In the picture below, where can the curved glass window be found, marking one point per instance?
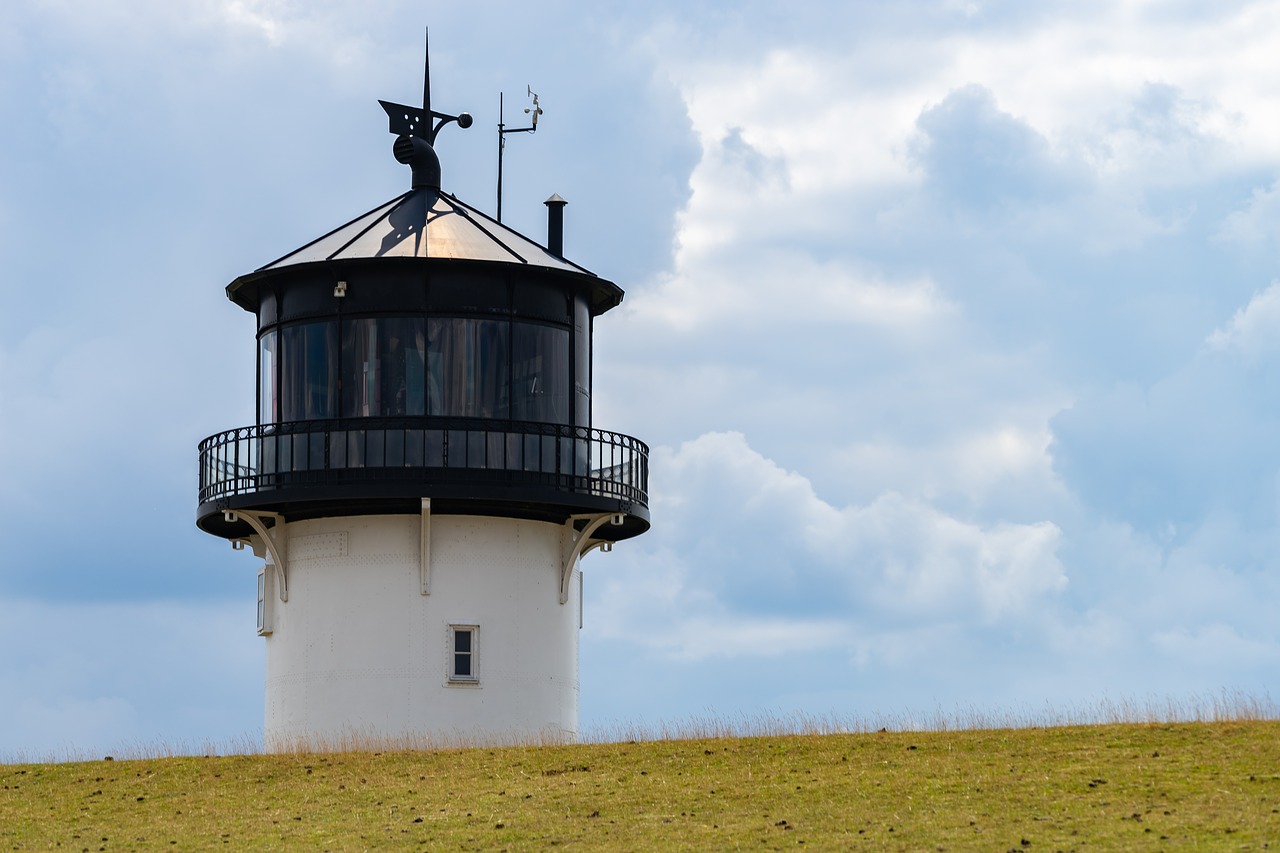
(383, 367)
(267, 412)
(309, 371)
(467, 368)
(539, 373)
(582, 362)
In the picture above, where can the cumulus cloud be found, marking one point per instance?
(747, 552)
(264, 17)
(974, 457)
(1162, 136)
(976, 154)
(777, 290)
(1255, 328)
(1258, 223)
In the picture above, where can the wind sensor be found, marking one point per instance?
(533, 112)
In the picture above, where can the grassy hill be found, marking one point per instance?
(1208, 785)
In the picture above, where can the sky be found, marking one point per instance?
(953, 327)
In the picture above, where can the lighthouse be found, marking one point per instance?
(424, 477)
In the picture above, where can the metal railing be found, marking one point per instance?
(566, 458)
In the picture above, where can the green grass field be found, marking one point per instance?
(1182, 786)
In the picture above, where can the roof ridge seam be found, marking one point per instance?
(533, 242)
(395, 202)
(463, 209)
(394, 206)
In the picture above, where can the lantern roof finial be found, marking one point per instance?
(416, 129)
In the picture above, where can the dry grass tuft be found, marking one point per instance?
(1228, 705)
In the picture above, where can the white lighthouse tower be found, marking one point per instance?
(424, 476)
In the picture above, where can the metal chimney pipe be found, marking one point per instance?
(555, 225)
(418, 153)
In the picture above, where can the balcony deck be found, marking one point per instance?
(360, 466)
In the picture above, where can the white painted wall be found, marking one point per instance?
(357, 652)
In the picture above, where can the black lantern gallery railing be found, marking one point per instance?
(576, 460)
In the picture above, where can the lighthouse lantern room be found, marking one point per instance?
(424, 475)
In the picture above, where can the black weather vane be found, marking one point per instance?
(415, 133)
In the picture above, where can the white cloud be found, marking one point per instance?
(264, 16)
(772, 291)
(734, 530)
(1078, 68)
(791, 108)
(1258, 223)
(1213, 643)
(998, 470)
(1104, 137)
(1255, 328)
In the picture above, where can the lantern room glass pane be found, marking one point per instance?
(268, 411)
(582, 362)
(383, 367)
(309, 371)
(540, 373)
(468, 368)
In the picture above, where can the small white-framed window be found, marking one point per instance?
(265, 589)
(463, 653)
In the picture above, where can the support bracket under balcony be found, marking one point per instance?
(575, 544)
(278, 549)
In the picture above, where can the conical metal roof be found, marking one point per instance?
(425, 223)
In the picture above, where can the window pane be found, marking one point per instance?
(395, 448)
(268, 413)
(440, 341)
(476, 446)
(582, 361)
(267, 454)
(355, 448)
(467, 368)
(308, 369)
(540, 373)
(262, 599)
(492, 383)
(375, 448)
(434, 448)
(401, 366)
(463, 652)
(359, 337)
(414, 457)
(322, 370)
(383, 367)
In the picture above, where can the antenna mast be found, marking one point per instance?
(533, 113)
